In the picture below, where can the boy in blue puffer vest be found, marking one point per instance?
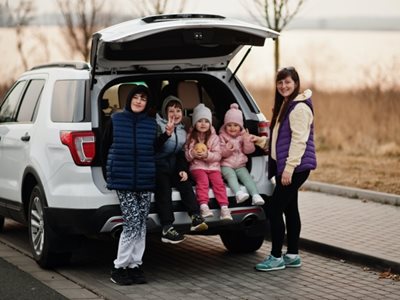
(172, 171)
(128, 147)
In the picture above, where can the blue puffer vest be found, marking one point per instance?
(166, 157)
(308, 160)
(131, 157)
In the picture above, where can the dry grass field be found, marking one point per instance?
(357, 137)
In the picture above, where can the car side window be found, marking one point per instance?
(68, 101)
(9, 107)
(29, 102)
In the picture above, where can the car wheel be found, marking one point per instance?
(42, 240)
(1, 223)
(240, 242)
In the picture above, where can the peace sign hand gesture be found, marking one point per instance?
(169, 128)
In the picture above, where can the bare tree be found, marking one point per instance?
(82, 19)
(277, 14)
(4, 13)
(156, 7)
(20, 17)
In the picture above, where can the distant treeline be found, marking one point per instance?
(345, 23)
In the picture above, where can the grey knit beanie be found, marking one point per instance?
(201, 112)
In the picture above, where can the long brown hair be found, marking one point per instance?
(194, 135)
(281, 75)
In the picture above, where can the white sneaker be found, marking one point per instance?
(241, 197)
(226, 214)
(257, 200)
(205, 211)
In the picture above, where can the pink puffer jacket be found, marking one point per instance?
(213, 160)
(242, 145)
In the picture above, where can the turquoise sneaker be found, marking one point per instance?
(294, 262)
(271, 263)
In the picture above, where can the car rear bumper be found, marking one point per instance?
(79, 221)
(107, 220)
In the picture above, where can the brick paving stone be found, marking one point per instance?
(366, 227)
(201, 268)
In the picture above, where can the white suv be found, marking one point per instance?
(52, 119)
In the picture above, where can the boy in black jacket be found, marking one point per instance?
(172, 171)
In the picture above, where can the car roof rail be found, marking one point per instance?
(78, 65)
(172, 17)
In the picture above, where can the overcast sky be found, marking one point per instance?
(311, 8)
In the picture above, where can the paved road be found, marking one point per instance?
(200, 268)
(15, 284)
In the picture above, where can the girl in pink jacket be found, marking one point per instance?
(203, 153)
(236, 143)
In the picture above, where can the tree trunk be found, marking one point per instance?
(277, 53)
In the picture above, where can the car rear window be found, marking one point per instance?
(68, 103)
(28, 107)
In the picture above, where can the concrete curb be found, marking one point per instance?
(351, 256)
(354, 193)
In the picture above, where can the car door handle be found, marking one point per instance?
(25, 138)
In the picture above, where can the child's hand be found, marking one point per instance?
(203, 155)
(169, 128)
(248, 137)
(229, 146)
(183, 175)
(200, 155)
(195, 154)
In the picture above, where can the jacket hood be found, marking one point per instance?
(165, 104)
(136, 90)
(304, 95)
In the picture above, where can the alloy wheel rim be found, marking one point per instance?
(37, 226)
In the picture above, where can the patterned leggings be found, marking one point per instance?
(135, 209)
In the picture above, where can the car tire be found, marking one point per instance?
(240, 242)
(41, 238)
(2, 220)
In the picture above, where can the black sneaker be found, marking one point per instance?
(198, 223)
(136, 275)
(120, 276)
(172, 236)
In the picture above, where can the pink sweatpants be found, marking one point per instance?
(203, 179)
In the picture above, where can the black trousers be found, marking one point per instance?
(284, 201)
(163, 196)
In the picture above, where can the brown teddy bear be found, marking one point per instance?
(200, 148)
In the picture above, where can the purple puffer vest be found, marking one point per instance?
(308, 160)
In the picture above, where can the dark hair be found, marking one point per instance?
(281, 75)
(173, 103)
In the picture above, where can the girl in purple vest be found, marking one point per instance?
(291, 157)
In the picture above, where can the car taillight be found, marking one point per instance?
(81, 144)
(263, 128)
